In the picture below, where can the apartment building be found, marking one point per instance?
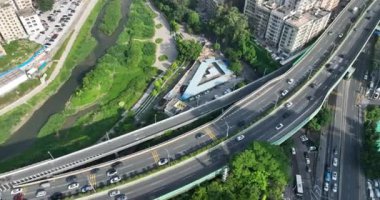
(328, 5)
(23, 4)
(286, 25)
(10, 25)
(30, 21)
(300, 29)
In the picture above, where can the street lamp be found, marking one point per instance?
(228, 128)
(50, 155)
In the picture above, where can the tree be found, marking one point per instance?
(322, 119)
(259, 172)
(193, 20)
(188, 49)
(45, 5)
(174, 26)
(216, 46)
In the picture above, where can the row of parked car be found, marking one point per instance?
(373, 189)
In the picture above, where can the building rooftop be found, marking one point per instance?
(210, 73)
(26, 12)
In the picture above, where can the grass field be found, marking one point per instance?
(82, 47)
(111, 17)
(121, 75)
(18, 51)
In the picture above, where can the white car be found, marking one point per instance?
(304, 138)
(335, 162)
(290, 81)
(115, 179)
(335, 187)
(40, 193)
(73, 186)
(308, 161)
(326, 187)
(369, 185)
(293, 151)
(279, 126)
(240, 138)
(16, 191)
(113, 193)
(335, 176)
(111, 172)
(163, 161)
(376, 183)
(288, 104)
(284, 92)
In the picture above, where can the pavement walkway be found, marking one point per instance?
(167, 46)
(85, 10)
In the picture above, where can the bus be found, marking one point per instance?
(299, 187)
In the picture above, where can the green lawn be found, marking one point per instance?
(111, 17)
(82, 47)
(121, 75)
(17, 52)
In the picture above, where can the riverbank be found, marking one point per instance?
(74, 53)
(114, 85)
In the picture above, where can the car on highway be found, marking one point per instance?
(73, 186)
(290, 81)
(310, 98)
(240, 138)
(117, 164)
(377, 192)
(334, 176)
(279, 126)
(340, 35)
(369, 185)
(288, 104)
(304, 138)
(293, 151)
(308, 169)
(163, 161)
(335, 162)
(40, 193)
(112, 172)
(115, 179)
(199, 135)
(113, 193)
(16, 191)
(45, 184)
(121, 197)
(86, 188)
(307, 161)
(284, 92)
(335, 187)
(326, 187)
(335, 151)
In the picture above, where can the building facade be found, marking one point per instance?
(10, 25)
(30, 21)
(286, 25)
(328, 5)
(23, 4)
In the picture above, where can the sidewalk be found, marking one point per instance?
(86, 10)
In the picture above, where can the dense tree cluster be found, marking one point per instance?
(370, 153)
(260, 172)
(322, 119)
(188, 49)
(44, 5)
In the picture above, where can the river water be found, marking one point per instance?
(25, 137)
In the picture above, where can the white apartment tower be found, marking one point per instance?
(30, 21)
(10, 26)
(23, 4)
(286, 25)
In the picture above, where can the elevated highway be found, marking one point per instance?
(262, 99)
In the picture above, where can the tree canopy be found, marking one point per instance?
(322, 119)
(188, 49)
(45, 5)
(257, 173)
(370, 154)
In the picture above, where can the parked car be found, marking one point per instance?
(73, 186)
(293, 151)
(240, 138)
(40, 193)
(326, 187)
(86, 188)
(111, 172)
(16, 191)
(335, 176)
(279, 126)
(335, 162)
(335, 187)
(284, 92)
(288, 104)
(290, 81)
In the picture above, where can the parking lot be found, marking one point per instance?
(56, 22)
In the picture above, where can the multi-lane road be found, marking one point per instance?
(305, 101)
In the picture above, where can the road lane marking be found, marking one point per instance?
(155, 156)
(210, 133)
